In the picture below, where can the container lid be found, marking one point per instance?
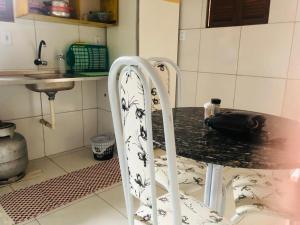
(6, 125)
(7, 129)
(216, 101)
(103, 138)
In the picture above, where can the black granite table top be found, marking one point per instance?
(280, 142)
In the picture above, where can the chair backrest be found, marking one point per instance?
(130, 99)
(166, 68)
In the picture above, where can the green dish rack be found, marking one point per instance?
(83, 57)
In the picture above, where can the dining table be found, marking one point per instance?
(274, 148)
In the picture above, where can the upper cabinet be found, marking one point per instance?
(95, 13)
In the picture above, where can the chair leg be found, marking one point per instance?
(236, 219)
(222, 206)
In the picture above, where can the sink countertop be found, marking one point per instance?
(20, 77)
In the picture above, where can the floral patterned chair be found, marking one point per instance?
(256, 193)
(191, 173)
(130, 100)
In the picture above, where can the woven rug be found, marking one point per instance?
(41, 198)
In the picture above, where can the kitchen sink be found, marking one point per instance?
(51, 86)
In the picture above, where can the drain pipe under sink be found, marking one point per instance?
(52, 125)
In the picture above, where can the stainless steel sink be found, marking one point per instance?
(54, 84)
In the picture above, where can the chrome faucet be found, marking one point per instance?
(39, 60)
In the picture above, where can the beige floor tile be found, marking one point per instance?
(75, 160)
(115, 197)
(159, 152)
(32, 222)
(38, 171)
(91, 211)
(5, 190)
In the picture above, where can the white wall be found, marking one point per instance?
(76, 110)
(158, 29)
(158, 35)
(121, 41)
(250, 67)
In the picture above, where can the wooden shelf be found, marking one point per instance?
(55, 19)
(80, 7)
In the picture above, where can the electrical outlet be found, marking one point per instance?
(5, 38)
(182, 35)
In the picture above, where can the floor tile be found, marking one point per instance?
(38, 171)
(5, 189)
(33, 222)
(4, 218)
(115, 198)
(75, 160)
(91, 211)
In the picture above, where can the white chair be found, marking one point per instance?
(191, 173)
(130, 100)
(255, 193)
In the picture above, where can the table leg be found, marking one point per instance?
(208, 180)
(213, 197)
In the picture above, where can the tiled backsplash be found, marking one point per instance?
(79, 116)
(250, 67)
(79, 112)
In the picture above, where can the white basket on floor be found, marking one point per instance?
(103, 146)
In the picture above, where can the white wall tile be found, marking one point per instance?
(67, 135)
(105, 124)
(188, 89)
(291, 107)
(92, 35)
(294, 68)
(282, 11)
(215, 86)
(190, 14)
(189, 49)
(90, 124)
(65, 101)
(260, 94)
(22, 52)
(58, 38)
(298, 12)
(89, 94)
(265, 50)
(32, 130)
(219, 50)
(204, 13)
(102, 94)
(18, 102)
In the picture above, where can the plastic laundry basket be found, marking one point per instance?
(103, 146)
